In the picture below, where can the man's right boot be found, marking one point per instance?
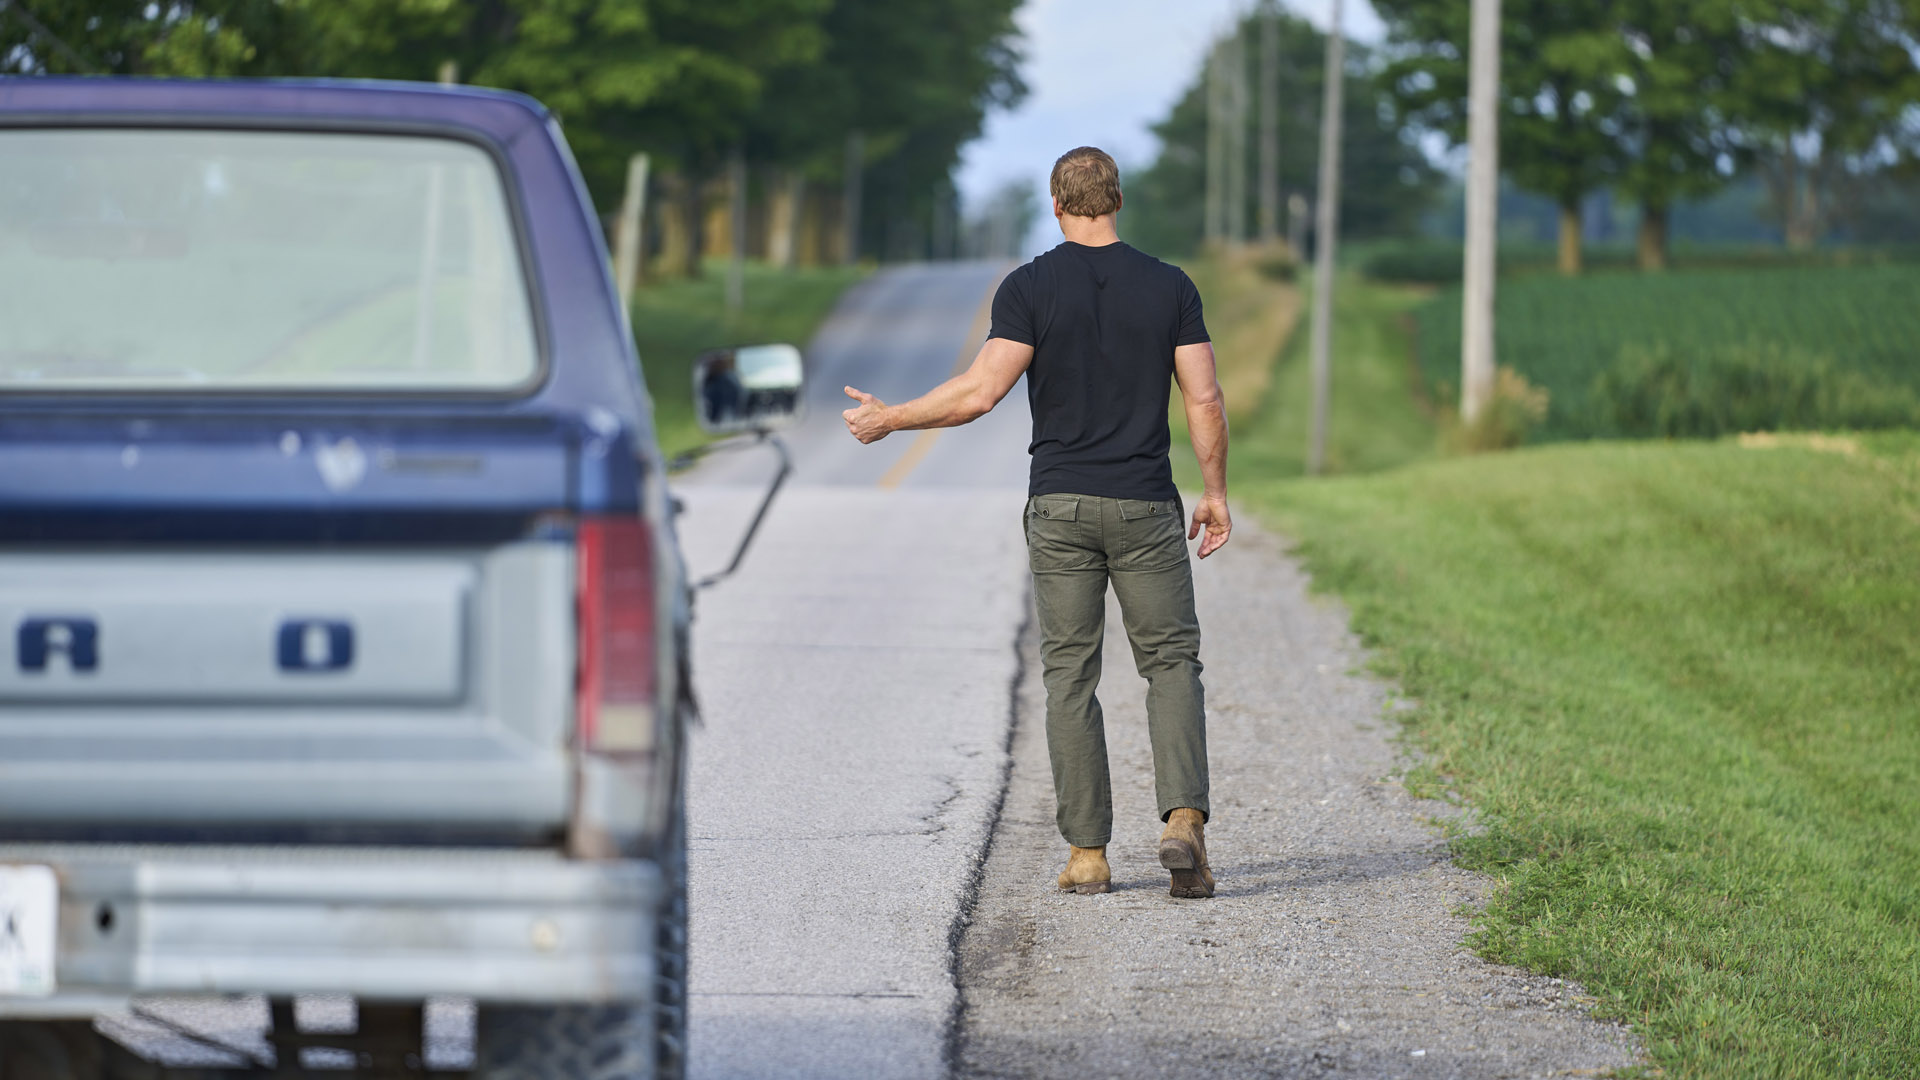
(1087, 871)
(1183, 850)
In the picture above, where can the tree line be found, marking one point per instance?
(875, 97)
(1387, 182)
(1659, 101)
(1665, 100)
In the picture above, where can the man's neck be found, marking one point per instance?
(1090, 231)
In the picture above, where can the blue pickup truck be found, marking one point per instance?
(345, 626)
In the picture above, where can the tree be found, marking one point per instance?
(1827, 89)
(1560, 117)
(1386, 181)
(690, 81)
(917, 78)
(1678, 62)
(681, 75)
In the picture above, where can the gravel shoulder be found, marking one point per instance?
(1335, 943)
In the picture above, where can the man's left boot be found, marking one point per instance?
(1183, 850)
(1087, 871)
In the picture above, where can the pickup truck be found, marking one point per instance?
(344, 626)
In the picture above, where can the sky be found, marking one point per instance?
(1100, 72)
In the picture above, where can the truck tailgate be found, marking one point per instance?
(331, 688)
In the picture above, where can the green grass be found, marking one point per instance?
(1561, 333)
(1376, 422)
(1678, 683)
(674, 321)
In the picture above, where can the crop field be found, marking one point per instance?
(1563, 333)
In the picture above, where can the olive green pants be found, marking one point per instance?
(1076, 544)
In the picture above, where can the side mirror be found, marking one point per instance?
(749, 388)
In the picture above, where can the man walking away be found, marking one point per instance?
(1101, 330)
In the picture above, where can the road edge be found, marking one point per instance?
(953, 1034)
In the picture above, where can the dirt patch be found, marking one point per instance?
(1825, 444)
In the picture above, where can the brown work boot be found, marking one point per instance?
(1087, 871)
(1183, 850)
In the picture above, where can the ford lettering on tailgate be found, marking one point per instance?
(247, 628)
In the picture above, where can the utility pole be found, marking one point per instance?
(1269, 123)
(850, 196)
(1236, 186)
(1483, 209)
(737, 230)
(1216, 149)
(626, 238)
(1326, 233)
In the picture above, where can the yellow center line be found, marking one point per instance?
(923, 440)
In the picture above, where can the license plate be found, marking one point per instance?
(29, 915)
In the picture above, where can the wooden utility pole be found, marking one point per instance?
(626, 235)
(1216, 149)
(1269, 123)
(737, 230)
(1483, 209)
(1326, 232)
(850, 197)
(1236, 186)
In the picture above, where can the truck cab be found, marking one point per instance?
(342, 624)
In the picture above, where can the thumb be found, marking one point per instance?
(860, 396)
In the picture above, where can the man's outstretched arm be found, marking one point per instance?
(962, 399)
(1207, 426)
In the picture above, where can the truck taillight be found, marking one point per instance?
(616, 613)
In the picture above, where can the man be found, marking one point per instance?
(1100, 331)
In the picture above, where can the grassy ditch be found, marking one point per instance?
(674, 321)
(1677, 682)
(1376, 419)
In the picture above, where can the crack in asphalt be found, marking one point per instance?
(955, 1034)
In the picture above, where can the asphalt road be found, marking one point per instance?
(894, 335)
(856, 678)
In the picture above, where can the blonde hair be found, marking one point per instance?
(1086, 182)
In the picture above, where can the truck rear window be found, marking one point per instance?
(173, 259)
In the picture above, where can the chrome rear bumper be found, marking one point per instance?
(388, 923)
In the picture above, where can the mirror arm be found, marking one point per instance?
(779, 478)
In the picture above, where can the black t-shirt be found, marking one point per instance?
(1103, 323)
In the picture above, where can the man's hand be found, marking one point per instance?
(1212, 515)
(866, 421)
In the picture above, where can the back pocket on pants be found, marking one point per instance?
(1154, 539)
(1054, 534)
